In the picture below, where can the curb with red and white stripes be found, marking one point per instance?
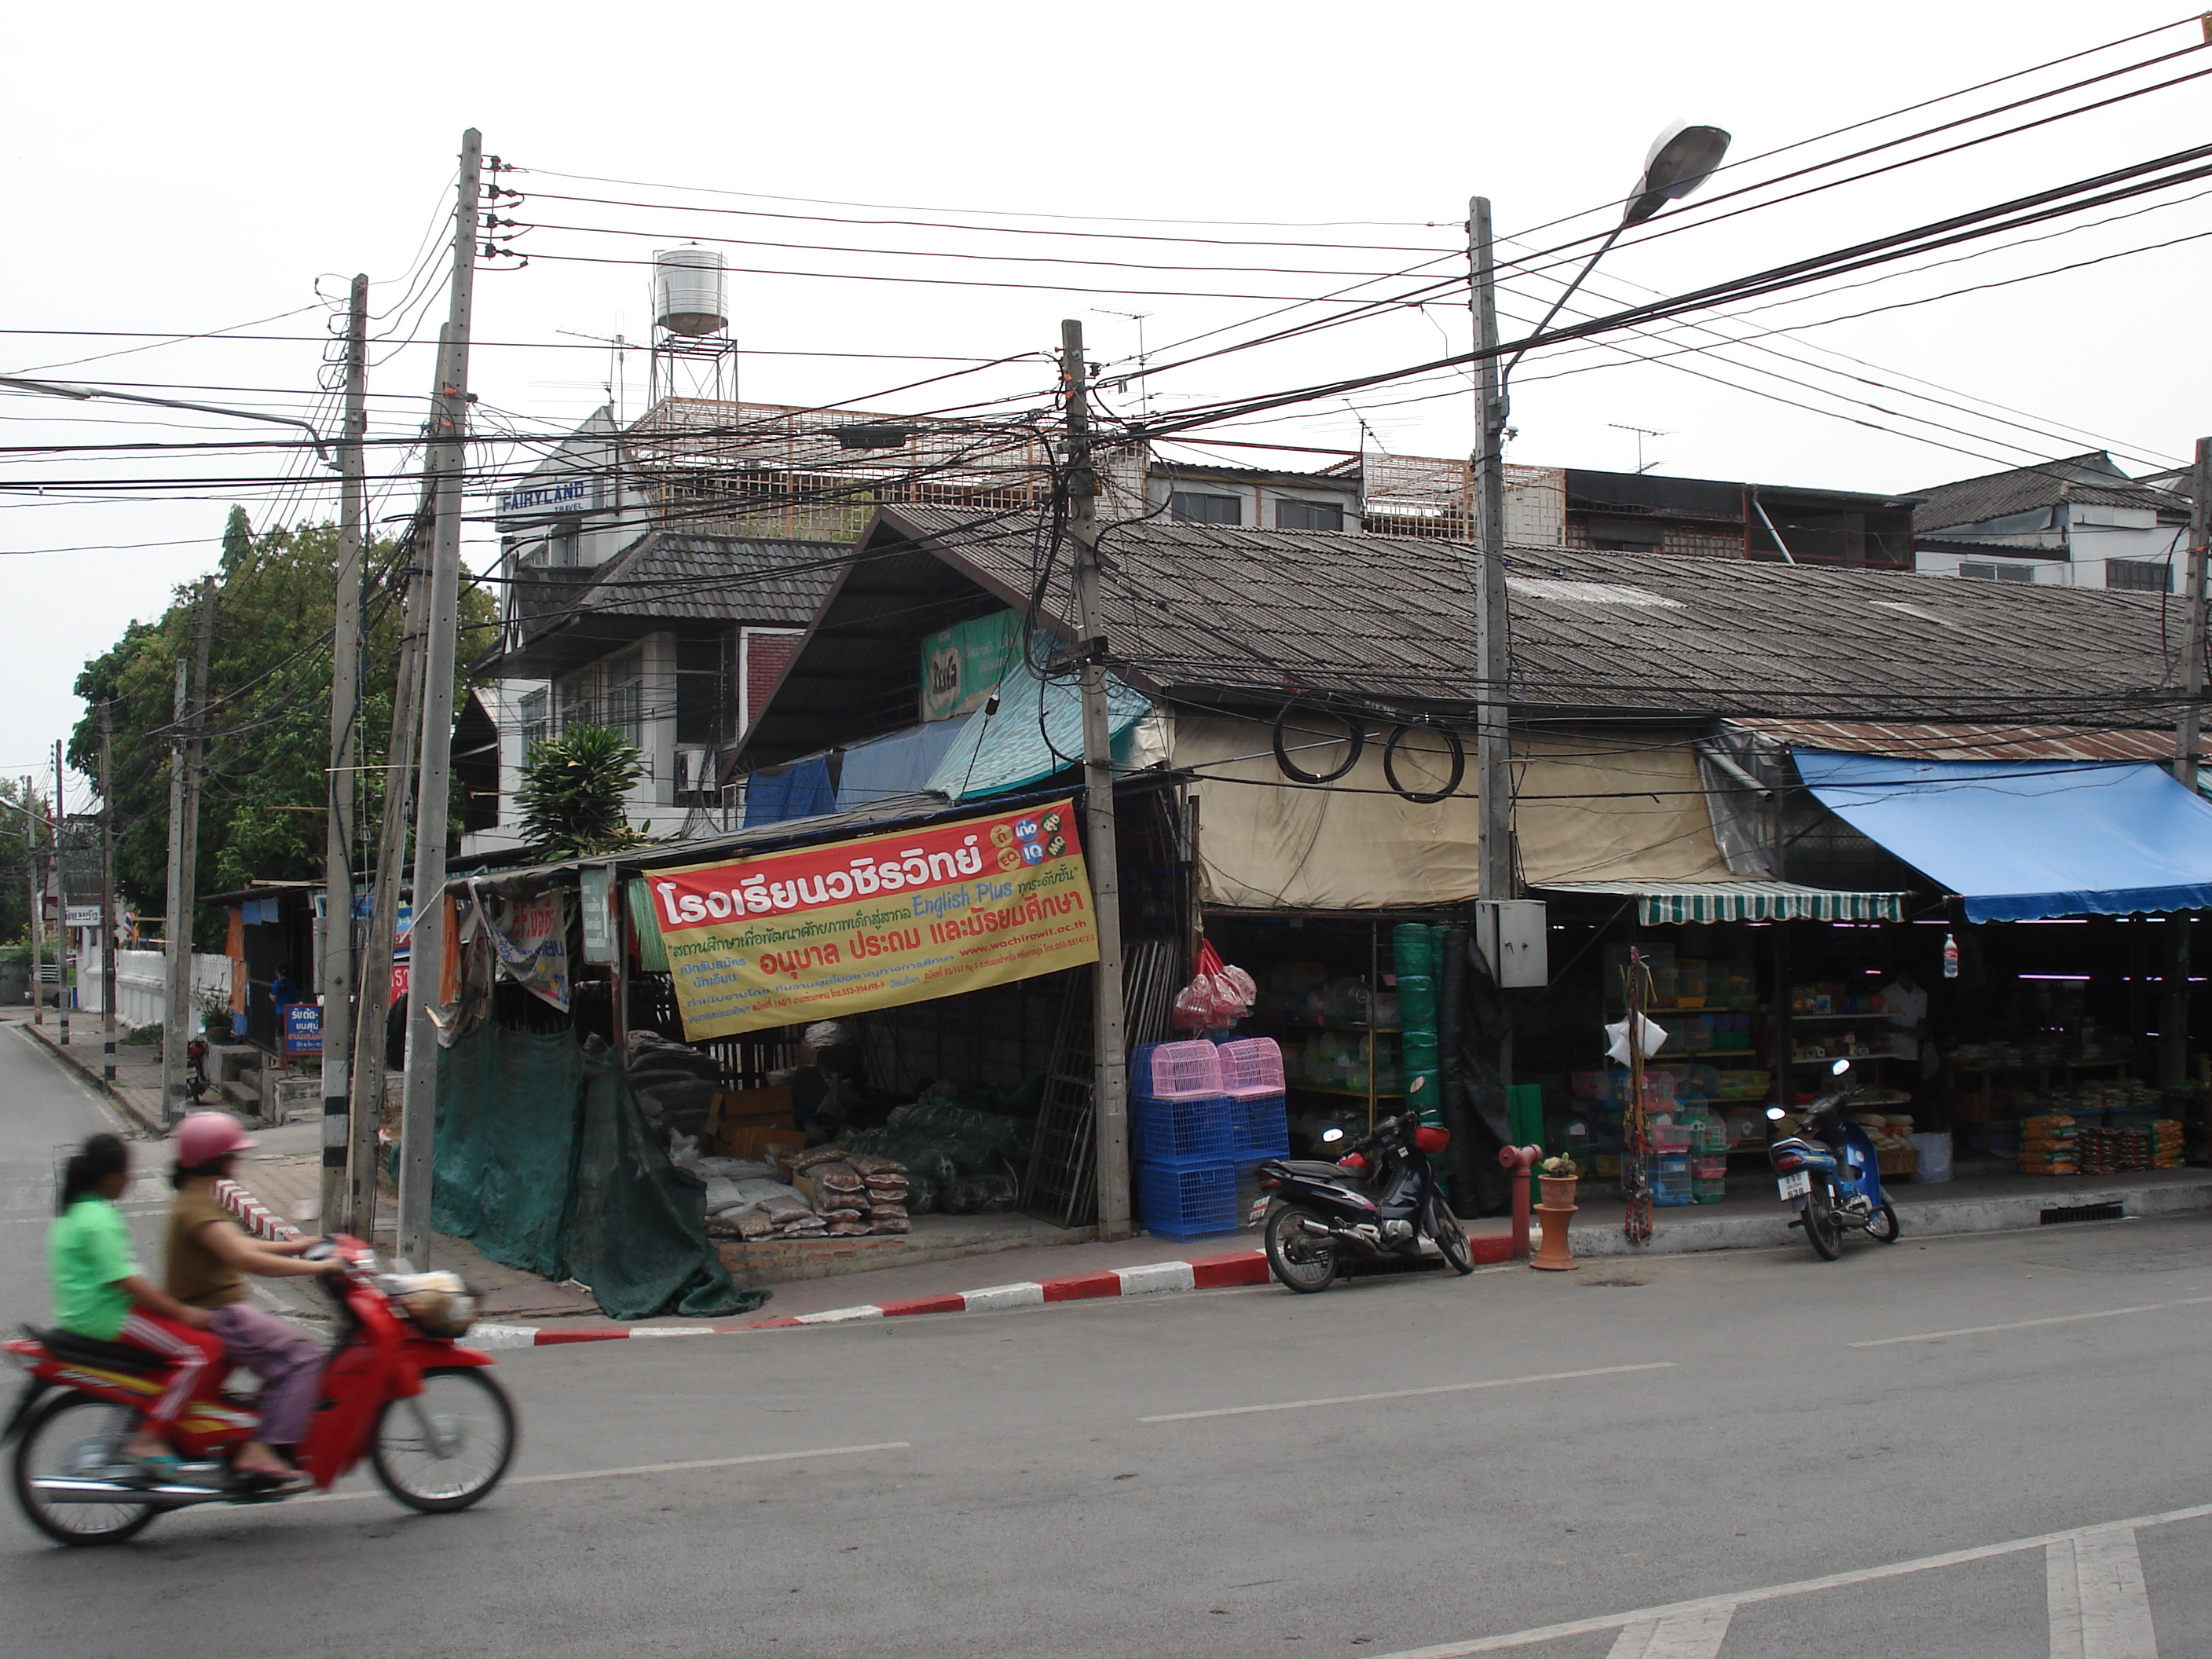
(251, 1213)
(1240, 1268)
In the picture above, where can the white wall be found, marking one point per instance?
(141, 984)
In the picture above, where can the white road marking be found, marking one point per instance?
(650, 1468)
(2100, 1607)
(1685, 1636)
(1408, 1393)
(1522, 1638)
(2025, 1324)
(840, 1316)
(1029, 1294)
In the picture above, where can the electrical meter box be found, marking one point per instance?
(1513, 938)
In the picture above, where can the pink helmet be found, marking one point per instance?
(203, 1137)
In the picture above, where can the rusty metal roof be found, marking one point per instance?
(1977, 743)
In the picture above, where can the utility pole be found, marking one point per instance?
(38, 904)
(1492, 660)
(1109, 1076)
(345, 712)
(186, 748)
(2174, 1005)
(60, 900)
(106, 891)
(418, 1111)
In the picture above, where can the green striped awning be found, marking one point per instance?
(1741, 900)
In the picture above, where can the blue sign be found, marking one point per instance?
(303, 1027)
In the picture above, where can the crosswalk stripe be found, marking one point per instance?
(1696, 1635)
(2100, 1607)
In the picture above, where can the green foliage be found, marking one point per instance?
(264, 805)
(572, 793)
(15, 855)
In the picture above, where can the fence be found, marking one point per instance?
(141, 984)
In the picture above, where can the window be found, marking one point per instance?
(1999, 573)
(1206, 509)
(536, 712)
(2140, 575)
(1307, 515)
(580, 700)
(624, 701)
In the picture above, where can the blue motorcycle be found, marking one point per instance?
(1829, 1173)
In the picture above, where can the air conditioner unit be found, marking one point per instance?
(694, 769)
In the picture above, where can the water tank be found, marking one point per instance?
(687, 285)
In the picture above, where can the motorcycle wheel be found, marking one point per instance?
(74, 1435)
(1821, 1227)
(445, 1447)
(1299, 1259)
(1881, 1225)
(1451, 1238)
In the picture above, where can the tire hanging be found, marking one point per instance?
(1428, 797)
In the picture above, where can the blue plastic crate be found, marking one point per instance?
(1182, 1133)
(1261, 1127)
(1188, 1202)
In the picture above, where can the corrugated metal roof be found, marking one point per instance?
(1204, 607)
(2091, 479)
(1912, 742)
(671, 575)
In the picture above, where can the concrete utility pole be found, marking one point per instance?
(345, 714)
(38, 904)
(2174, 1005)
(106, 891)
(60, 900)
(1493, 660)
(418, 1112)
(1109, 1084)
(186, 748)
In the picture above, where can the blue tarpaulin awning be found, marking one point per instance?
(1036, 732)
(2020, 839)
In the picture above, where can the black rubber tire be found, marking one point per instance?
(1458, 765)
(1451, 1238)
(36, 1430)
(1822, 1230)
(1355, 731)
(1294, 1275)
(396, 1414)
(1881, 1225)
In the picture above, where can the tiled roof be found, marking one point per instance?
(1201, 608)
(2091, 479)
(695, 578)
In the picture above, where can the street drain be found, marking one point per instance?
(1613, 1283)
(2086, 1212)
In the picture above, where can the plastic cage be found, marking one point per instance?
(1261, 1127)
(1183, 1133)
(1251, 1068)
(1175, 1071)
(1186, 1203)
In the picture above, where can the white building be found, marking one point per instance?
(2079, 522)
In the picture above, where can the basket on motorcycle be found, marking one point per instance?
(439, 1304)
(1429, 1139)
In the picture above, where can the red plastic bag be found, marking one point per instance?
(1219, 995)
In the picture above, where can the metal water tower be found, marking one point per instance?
(693, 354)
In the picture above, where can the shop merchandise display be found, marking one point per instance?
(2046, 1145)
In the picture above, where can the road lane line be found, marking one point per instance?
(1684, 1636)
(2100, 1607)
(1524, 1639)
(652, 1469)
(1407, 1394)
(2025, 1324)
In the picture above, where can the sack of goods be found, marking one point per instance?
(2047, 1144)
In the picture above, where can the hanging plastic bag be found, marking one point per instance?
(1219, 995)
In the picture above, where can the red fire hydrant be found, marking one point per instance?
(1518, 1160)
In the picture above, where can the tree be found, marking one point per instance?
(573, 790)
(263, 809)
(19, 813)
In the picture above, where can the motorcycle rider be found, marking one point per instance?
(209, 1255)
(99, 1292)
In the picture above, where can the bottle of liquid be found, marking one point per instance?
(1950, 958)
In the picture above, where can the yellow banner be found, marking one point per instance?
(824, 931)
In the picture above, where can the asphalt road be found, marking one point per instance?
(1090, 1478)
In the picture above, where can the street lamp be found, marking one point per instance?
(57, 389)
(1680, 159)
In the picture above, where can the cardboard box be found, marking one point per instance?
(755, 1105)
(759, 1141)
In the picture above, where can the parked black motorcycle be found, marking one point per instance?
(1379, 1202)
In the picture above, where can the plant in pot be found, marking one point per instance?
(1559, 1176)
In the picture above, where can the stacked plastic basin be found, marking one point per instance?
(1182, 1127)
(1415, 948)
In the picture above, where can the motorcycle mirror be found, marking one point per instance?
(1839, 1068)
(1776, 1113)
(1329, 1137)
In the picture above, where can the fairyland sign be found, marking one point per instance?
(875, 922)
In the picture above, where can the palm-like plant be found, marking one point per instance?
(572, 793)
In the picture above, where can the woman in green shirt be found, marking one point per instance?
(100, 1293)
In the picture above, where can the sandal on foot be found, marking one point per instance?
(154, 1468)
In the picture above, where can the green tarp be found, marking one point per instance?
(543, 1163)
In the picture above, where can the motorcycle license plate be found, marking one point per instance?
(1795, 1186)
(1259, 1212)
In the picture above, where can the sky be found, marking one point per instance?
(195, 175)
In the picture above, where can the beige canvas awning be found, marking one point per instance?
(1592, 808)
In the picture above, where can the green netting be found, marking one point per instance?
(543, 1163)
(1413, 948)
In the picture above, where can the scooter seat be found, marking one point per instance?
(1316, 1170)
(90, 1351)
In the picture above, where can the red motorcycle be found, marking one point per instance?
(398, 1390)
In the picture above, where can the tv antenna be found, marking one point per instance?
(1642, 433)
(1143, 360)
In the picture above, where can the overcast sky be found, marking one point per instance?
(176, 170)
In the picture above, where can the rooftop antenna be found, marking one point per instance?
(1143, 360)
(618, 373)
(1642, 433)
(1367, 434)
